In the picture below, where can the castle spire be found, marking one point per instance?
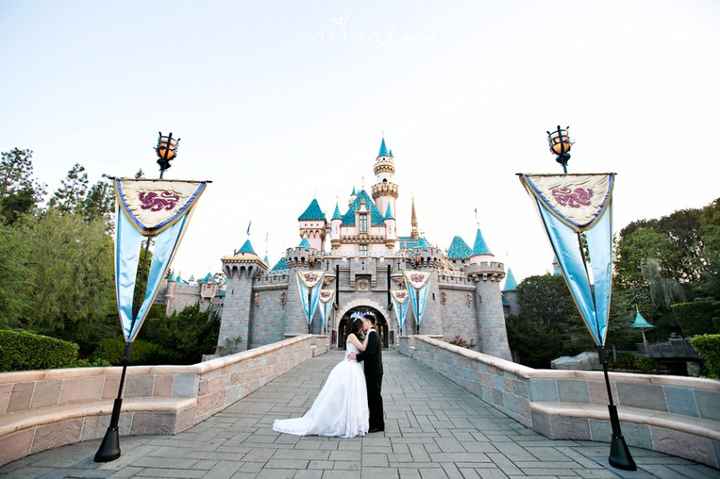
(413, 222)
(383, 148)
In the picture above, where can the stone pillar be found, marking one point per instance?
(237, 310)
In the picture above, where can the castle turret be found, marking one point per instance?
(241, 269)
(313, 225)
(486, 273)
(509, 294)
(384, 191)
(390, 227)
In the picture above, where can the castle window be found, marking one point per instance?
(363, 224)
(363, 250)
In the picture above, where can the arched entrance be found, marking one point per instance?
(345, 324)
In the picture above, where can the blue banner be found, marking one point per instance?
(417, 283)
(573, 207)
(309, 285)
(400, 306)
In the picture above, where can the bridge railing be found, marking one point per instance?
(671, 414)
(45, 409)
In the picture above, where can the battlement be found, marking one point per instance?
(454, 278)
(384, 164)
(385, 189)
(485, 271)
(430, 257)
(302, 257)
(243, 264)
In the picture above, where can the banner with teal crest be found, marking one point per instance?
(148, 211)
(401, 305)
(576, 211)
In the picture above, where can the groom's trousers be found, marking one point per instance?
(375, 403)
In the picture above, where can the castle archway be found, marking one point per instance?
(345, 325)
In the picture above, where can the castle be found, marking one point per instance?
(364, 259)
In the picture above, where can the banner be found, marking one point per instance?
(326, 304)
(309, 285)
(417, 283)
(148, 210)
(576, 211)
(400, 303)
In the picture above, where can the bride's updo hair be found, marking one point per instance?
(356, 327)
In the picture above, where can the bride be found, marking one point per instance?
(341, 408)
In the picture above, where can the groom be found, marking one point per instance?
(372, 359)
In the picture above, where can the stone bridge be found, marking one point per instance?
(451, 414)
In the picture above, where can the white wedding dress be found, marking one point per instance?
(341, 408)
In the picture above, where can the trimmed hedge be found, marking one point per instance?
(708, 347)
(23, 350)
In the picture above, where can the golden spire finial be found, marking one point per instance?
(413, 221)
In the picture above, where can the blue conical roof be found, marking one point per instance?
(383, 149)
(247, 248)
(510, 283)
(390, 152)
(336, 214)
(459, 249)
(640, 322)
(281, 265)
(389, 212)
(207, 278)
(376, 217)
(480, 247)
(312, 212)
(304, 244)
(354, 192)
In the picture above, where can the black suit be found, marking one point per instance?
(372, 363)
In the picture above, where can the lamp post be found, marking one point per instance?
(560, 145)
(166, 150)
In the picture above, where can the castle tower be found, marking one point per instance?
(509, 293)
(390, 227)
(241, 269)
(335, 224)
(384, 191)
(302, 257)
(312, 225)
(487, 273)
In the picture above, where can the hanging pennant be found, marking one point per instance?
(326, 304)
(309, 285)
(577, 210)
(148, 209)
(400, 306)
(417, 283)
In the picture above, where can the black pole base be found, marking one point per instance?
(110, 447)
(620, 456)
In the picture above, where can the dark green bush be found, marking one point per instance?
(141, 353)
(708, 347)
(698, 317)
(23, 350)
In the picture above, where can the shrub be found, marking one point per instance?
(708, 347)
(142, 352)
(698, 317)
(462, 342)
(23, 350)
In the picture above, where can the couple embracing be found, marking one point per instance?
(350, 402)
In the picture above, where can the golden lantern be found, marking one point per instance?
(560, 145)
(166, 150)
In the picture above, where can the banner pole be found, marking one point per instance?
(110, 447)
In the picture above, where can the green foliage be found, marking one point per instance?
(188, 334)
(23, 350)
(632, 362)
(70, 197)
(708, 347)
(14, 301)
(698, 317)
(20, 192)
(141, 353)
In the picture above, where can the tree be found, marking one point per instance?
(99, 202)
(20, 191)
(15, 303)
(71, 196)
(69, 275)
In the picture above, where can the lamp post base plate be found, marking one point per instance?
(110, 446)
(620, 456)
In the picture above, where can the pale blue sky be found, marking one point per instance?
(277, 101)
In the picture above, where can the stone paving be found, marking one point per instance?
(434, 430)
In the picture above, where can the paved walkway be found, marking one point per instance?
(435, 430)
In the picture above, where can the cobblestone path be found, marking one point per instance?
(435, 430)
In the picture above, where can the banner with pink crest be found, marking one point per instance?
(416, 283)
(576, 211)
(148, 212)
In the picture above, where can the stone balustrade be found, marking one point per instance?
(670, 414)
(44, 409)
